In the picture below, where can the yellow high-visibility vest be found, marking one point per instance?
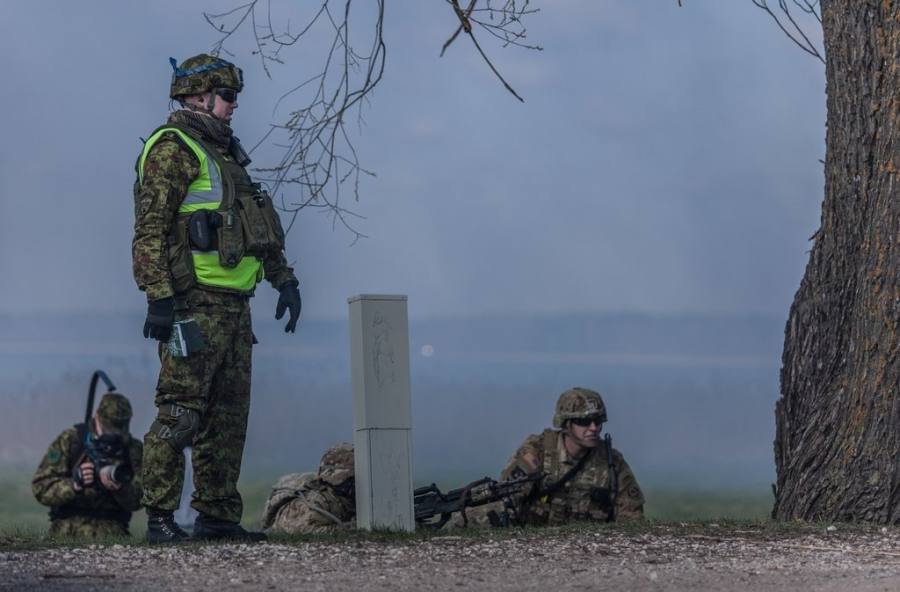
(206, 193)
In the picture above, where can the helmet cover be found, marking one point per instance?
(578, 403)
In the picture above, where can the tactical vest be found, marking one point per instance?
(224, 226)
(583, 497)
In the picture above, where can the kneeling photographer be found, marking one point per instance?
(90, 475)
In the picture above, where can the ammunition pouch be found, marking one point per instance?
(176, 425)
(202, 227)
(259, 221)
(231, 238)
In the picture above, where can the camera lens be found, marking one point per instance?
(117, 473)
(122, 474)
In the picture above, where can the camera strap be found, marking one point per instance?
(76, 452)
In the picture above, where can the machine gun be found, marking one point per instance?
(430, 501)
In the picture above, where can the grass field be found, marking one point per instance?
(20, 514)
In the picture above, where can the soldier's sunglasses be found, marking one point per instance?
(584, 422)
(228, 95)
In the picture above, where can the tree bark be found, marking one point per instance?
(837, 443)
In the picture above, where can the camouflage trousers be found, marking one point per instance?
(82, 527)
(216, 384)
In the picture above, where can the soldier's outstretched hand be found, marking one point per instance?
(289, 298)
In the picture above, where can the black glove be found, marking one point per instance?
(289, 299)
(160, 315)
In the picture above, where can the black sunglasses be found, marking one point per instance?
(584, 422)
(228, 95)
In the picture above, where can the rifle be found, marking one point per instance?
(430, 501)
(613, 479)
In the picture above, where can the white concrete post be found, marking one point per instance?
(379, 361)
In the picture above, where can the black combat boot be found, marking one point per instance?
(207, 528)
(161, 528)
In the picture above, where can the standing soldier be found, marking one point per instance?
(305, 503)
(204, 235)
(584, 478)
(90, 476)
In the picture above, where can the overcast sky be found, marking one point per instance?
(665, 159)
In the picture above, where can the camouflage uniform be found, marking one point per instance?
(214, 384)
(93, 512)
(305, 503)
(585, 494)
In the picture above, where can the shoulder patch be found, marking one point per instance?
(531, 457)
(54, 454)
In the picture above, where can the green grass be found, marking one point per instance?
(18, 509)
(24, 522)
(704, 505)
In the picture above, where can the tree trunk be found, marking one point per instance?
(837, 443)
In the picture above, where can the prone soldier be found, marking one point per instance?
(584, 478)
(305, 503)
(563, 474)
(90, 475)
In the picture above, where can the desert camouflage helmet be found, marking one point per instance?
(202, 73)
(577, 403)
(337, 464)
(114, 412)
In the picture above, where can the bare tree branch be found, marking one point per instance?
(463, 25)
(317, 158)
(791, 27)
(508, 28)
(319, 164)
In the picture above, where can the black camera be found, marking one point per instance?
(109, 455)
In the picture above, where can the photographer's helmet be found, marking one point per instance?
(337, 464)
(203, 73)
(577, 403)
(114, 412)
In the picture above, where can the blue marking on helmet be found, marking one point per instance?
(179, 73)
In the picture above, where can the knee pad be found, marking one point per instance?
(176, 425)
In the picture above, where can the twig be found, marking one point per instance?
(810, 7)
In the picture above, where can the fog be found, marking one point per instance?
(638, 226)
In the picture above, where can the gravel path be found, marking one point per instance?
(589, 559)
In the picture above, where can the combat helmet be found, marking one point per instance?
(337, 464)
(202, 73)
(577, 403)
(114, 412)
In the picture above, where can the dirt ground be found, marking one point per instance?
(657, 557)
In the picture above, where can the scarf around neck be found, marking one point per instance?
(210, 129)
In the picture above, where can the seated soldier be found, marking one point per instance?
(582, 478)
(90, 475)
(304, 503)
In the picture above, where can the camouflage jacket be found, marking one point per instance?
(300, 503)
(585, 496)
(169, 169)
(52, 482)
